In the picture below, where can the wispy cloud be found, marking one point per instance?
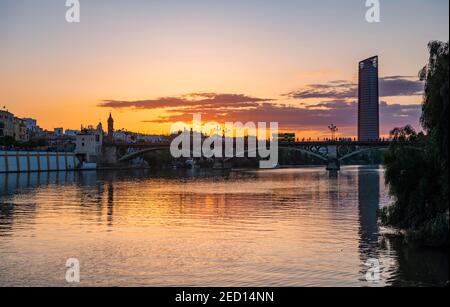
(341, 89)
(302, 117)
(401, 86)
(339, 106)
(203, 101)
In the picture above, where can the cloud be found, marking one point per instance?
(304, 117)
(202, 101)
(341, 89)
(397, 115)
(400, 86)
(299, 116)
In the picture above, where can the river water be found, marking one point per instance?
(288, 227)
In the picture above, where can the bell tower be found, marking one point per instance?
(110, 128)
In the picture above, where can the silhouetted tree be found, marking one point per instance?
(417, 163)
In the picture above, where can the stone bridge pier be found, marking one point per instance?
(110, 155)
(333, 163)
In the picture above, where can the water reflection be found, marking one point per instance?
(194, 228)
(368, 205)
(415, 266)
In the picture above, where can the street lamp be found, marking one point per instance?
(333, 130)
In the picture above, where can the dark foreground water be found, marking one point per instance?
(296, 227)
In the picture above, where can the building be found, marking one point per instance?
(120, 136)
(31, 124)
(13, 127)
(59, 131)
(6, 124)
(89, 143)
(368, 100)
(33, 129)
(123, 136)
(71, 133)
(20, 130)
(142, 138)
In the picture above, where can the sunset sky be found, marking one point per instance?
(153, 62)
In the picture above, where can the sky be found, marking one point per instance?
(155, 62)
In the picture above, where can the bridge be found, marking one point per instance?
(336, 152)
(333, 153)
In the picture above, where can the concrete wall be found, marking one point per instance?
(29, 161)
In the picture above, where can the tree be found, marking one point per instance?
(435, 115)
(417, 164)
(7, 141)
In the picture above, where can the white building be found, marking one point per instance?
(121, 136)
(71, 133)
(149, 138)
(59, 131)
(131, 137)
(31, 124)
(89, 142)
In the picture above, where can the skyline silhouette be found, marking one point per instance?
(154, 62)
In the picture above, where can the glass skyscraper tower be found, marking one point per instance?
(368, 100)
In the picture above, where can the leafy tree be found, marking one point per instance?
(435, 115)
(7, 141)
(158, 159)
(417, 164)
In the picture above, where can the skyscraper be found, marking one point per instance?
(368, 100)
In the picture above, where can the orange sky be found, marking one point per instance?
(59, 73)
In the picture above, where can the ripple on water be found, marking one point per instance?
(252, 228)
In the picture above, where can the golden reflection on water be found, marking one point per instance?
(299, 227)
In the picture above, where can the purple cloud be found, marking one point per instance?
(341, 89)
(298, 117)
(401, 86)
(304, 117)
(193, 100)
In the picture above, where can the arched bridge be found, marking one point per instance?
(114, 153)
(333, 153)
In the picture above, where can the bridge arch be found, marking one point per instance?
(363, 150)
(360, 151)
(302, 150)
(307, 152)
(136, 154)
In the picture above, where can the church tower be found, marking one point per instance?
(110, 128)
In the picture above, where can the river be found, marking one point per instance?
(287, 227)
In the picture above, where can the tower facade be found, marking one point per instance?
(368, 100)
(110, 128)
